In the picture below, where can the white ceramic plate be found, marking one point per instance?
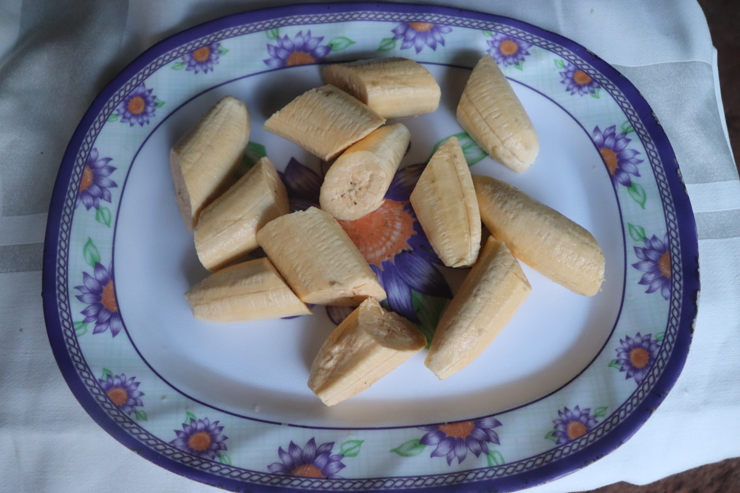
(569, 378)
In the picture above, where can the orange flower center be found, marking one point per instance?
(457, 430)
(382, 233)
(136, 105)
(576, 429)
(508, 47)
(108, 298)
(581, 78)
(610, 158)
(87, 178)
(639, 357)
(199, 441)
(421, 26)
(664, 264)
(307, 471)
(299, 58)
(118, 395)
(202, 54)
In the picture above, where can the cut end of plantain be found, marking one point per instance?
(324, 121)
(203, 161)
(367, 345)
(490, 295)
(248, 291)
(493, 116)
(445, 204)
(227, 228)
(357, 181)
(392, 87)
(541, 237)
(318, 259)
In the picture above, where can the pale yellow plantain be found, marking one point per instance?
(357, 181)
(541, 237)
(493, 116)
(248, 291)
(445, 204)
(203, 161)
(392, 87)
(227, 228)
(366, 346)
(318, 259)
(324, 121)
(490, 295)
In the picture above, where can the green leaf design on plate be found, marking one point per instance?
(473, 153)
(273, 34)
(113, 118)
(495, 458)
(178, 65)
(600, 412)
(551, 436)
(520, 65)
(637, 233)
(487, 33)
(660, 336)
(224, 459)
(141, 415)
(90, 253)
(559, 63)
(637, 193)
(158, 103)
(103, 215)
(190, 417)
(222, 51)
(615, 364)
(253, 153)
(80, 328)
(595, 93)
(387, 44)
(340, 43)
(429, 309)
(351, 448)
(409, 449)
(106, 373)
(626, 128)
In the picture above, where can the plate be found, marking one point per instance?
(567, 381)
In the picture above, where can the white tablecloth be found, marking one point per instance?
(55, 56)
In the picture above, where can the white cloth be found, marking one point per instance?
(55, 56)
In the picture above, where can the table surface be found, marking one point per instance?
(49, 73)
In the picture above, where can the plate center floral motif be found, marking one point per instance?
(383, 233)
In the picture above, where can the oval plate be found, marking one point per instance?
(566, 382)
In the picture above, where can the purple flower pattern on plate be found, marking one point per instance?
(636, 354)
(420, 34)
(577, 81)
(123, 392)
(95, 184)
(98, 292)
(572, 424)
(138, 106)
(655, 262)
(507, 50)
(203, 59)
(390, 238)
(301, 50)
(620, 161)
(201, 437)
(310, 461)
(455, 440)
